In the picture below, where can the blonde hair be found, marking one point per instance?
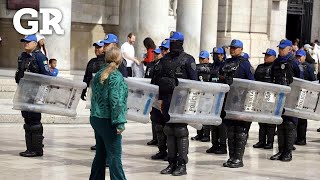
(113, 58)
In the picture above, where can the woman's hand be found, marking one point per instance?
(119, 131)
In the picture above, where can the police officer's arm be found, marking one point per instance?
(42, 62)
(191, 69)
(247, 70)
(311, 70)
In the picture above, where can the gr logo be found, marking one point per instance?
(34, 24)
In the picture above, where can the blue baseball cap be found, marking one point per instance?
(246, 55)
(165, 44)
(176, 36)
(100, 43)
(301, 52)
(204, 54)
(217, 50)
(284, 43)
(29, 38)
(157, 51)
(236, 43)
(110, 38)
(270, 52)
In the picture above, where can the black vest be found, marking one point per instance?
(282, 72)
(263, 73)
(230, 70)
(27, 63)
(207, 73)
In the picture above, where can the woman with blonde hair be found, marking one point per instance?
(108, 116)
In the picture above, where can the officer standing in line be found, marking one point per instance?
(308, 72)
(32, 60)
(218, 133)
(205, 73)
(174, 65)
(284, 68)
(156, 115)
(263, 74)
(157, 124)
(235, 67)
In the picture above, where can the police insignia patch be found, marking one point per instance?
(193, 66)
(283, 66)
(164, 42)
(171, 33)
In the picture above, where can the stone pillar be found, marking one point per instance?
(129, 19)
(315, 31)
(209, 23)
(277, 22)
(58, 46)
(189, 23)
(152, 23)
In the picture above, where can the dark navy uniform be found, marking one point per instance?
(237, 131)
(174, 65)
(308, 73)
(266, 131)
(282, 72)
(35, 62)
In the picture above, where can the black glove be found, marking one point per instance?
(83, 94)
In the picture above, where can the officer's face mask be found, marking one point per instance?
(176, 46)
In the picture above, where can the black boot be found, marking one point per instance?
(301, 132)
(171, 168)
(37, 139)
(222, 148)
(290, 128)
(162, 143)
(159, 155)
(28, 139)
(206, 134)
(281, 142)
(93, 148)
(231, 145)
(154, 141)
(214, 139)
(318, 130)
(240, 142)
(271, 128)
(181, 168)
(262, 136)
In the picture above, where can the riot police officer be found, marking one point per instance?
(32, 60)
(263, 73)
(308, 73)
(156, 115)
(174, 65)
(205, 73)
(283, 69)
(235, 67)
(218, 133)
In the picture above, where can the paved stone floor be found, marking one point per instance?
(67, 157)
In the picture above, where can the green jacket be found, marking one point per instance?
(109, 100)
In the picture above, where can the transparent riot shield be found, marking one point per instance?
(141, 96)
(303, 101)
(255, 101)
(195, 102)
(46, 94)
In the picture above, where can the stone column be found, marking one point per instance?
(209, 23)
(58, 46)
(152, 23)
(129, 19)
(189, 23)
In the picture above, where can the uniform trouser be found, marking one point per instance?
(302, 129)
(156, 117)
(204, 132)
(108, 145)
(267, 132)
(153, 129)
(33, 131)
(286, 134)
(178, 143)
(219, 135)
(237, 138)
